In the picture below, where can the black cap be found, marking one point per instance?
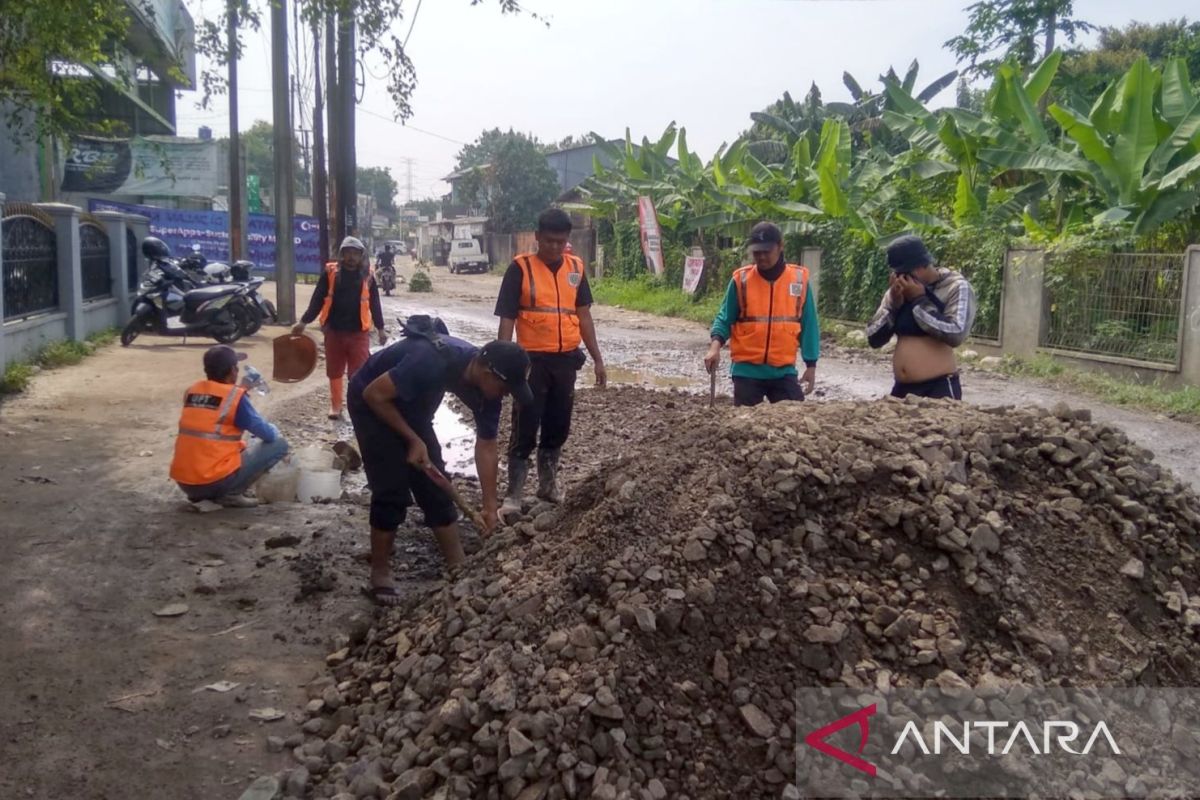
(764, 236)
(509, 362)
(219, 359)
(908, 253)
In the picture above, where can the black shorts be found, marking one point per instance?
(946, 387)
(752, 391)
(393, 483)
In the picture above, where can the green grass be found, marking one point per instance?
(1116, 391)
(652, 297)
(16, 378)
(63, 354)
(56, 354)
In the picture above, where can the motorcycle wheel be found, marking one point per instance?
(271, 312)
(254, 318)
(227, 327)
(131, 331)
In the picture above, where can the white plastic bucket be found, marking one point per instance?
(319, 484)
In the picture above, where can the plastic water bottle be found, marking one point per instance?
(253, 379)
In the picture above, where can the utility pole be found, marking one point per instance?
(346, 162)
(319, 189)
(285, 266)
(337, 223)
(237, 184)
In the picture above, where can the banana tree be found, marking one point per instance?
(865, 113)
(1141, 142)
(959, 142)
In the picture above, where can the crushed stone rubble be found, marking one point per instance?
(646, 639)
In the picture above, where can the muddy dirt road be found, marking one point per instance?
(103, 699)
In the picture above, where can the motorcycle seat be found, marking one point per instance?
(198, 297)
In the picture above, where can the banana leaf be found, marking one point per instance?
(1165, 207)
(1137, 138)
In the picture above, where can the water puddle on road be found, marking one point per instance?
(457, 437)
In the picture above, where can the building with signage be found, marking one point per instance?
(159, 56)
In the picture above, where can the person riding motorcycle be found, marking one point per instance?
(386, 273)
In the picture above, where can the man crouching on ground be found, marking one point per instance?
(392, 401)
(211, 461)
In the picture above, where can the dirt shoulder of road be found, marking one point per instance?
(102, 698)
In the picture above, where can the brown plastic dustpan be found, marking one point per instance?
(295, 357)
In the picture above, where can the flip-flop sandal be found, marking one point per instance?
(385, 596)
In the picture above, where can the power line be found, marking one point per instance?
(371, 113)
(411, 25)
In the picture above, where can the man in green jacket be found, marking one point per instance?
(768, 315)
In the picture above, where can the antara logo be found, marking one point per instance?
(862, 718)
(1020, 731)
(1022, 738)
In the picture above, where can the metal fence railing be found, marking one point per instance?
(1120, 305)
(94, 262)
(30, 266)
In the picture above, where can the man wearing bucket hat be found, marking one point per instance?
(392, 402)
(346, 303)
(768, 315)
(211, 461)
(930, 311)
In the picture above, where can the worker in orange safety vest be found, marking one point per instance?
(768, 316)
(211, 461)
(546, 302)
(346, 304)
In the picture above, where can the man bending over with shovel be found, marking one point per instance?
(392, 401)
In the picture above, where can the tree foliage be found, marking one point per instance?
(379, 183)
(43, 44)
(258, 144)
(507, 176)
(377, 31)
(1014, 30)
(1086, 73)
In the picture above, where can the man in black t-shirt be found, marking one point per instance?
(392, 401)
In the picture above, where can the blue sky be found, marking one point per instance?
(603, 65)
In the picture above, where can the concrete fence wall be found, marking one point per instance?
(74, 318)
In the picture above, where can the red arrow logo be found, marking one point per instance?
(817, 738)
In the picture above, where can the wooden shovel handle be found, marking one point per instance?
(441, 480)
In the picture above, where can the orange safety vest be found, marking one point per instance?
(209, 446)
(364, 300)
(767, 328)
(547, 321)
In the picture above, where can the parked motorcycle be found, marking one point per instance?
(204, 273)
(386, 277)
(170, 304)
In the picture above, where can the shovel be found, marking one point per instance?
(442, 481)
